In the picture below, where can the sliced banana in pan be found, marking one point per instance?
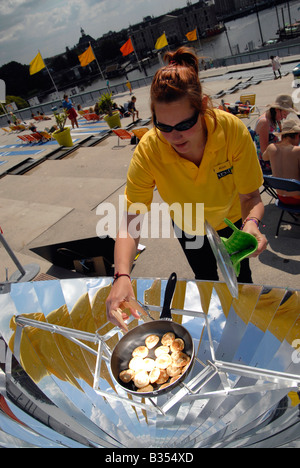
(151, 341)
(126, 375)
(163, 361)
(168, 338)
(141, 379)
(140, 351)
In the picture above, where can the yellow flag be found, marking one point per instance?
(37, 64)
(192, 35)
(161, 42)
(87, 57)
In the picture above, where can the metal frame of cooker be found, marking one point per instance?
(265, 380)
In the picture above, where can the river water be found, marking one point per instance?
(240, 33)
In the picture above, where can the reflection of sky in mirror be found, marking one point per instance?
(234, 339)
(217, 319)
(25, 298)
(50, 297)
(8, 310)
(72, 290)
(46, 434)
(94, 284)
(20, 432)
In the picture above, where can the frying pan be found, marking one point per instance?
(122, 353)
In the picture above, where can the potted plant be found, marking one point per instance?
(63, 134)
(105, 106)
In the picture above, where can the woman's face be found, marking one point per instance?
(184, 142)
(281, 115)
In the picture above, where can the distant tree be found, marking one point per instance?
(16, 77)
(20, 102)
(20, 83)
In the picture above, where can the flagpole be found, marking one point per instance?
(167, 41)
(50, 77)
(198, 36)
(137, 59)
(97, 62)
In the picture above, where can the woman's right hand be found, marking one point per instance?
(121, 292)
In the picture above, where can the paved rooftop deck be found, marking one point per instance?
(56, 200)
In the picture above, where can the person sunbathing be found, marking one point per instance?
(284, 157)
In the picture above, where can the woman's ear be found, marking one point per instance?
(205, 100)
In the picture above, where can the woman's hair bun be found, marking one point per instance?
(183, 57)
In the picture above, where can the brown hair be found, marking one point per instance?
(292, 136)
(179, 79)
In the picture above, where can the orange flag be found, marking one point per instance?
(127, 48)
(87, 57)
(192, 35)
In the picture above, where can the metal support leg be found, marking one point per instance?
(23, 274)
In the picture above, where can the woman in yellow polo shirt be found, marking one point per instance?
(194, 155)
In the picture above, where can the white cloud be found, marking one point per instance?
(51, 25)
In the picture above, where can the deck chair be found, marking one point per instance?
(140, 132)
(122, 134)
(22, 127)
(37, 136)
(7, 130)
(32, 138)
(249, 100)
(46, 135)
(24, 139)
(13, 128)
(92, 117)
(290, 185)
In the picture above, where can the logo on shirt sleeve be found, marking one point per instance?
(223, 169)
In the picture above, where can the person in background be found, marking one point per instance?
(268, 124)
(276, 65)
(128, 84)
(72, 114)
(32, 127)
(14, 119)
(195, 154)
(96, 109)
(284, 158)
(132, 109)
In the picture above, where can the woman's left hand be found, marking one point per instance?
(251, 228)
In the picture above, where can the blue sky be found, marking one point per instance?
(52, 25)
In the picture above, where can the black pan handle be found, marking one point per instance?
(169, 293)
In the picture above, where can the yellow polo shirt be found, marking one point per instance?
(229, 166)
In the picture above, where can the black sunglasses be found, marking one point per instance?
(180, 127)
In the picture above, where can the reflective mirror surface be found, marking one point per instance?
(57, 388)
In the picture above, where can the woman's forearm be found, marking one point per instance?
(252, 206)
(125, 252)
(127, 243)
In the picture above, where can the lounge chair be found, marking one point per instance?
(7, 130)
(37, 136)
(46, 135)
(24, 139)
(32, 138)
(122, 134)
(248, 100)
(91, 117)
(139, 132)
(290, 185)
